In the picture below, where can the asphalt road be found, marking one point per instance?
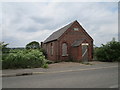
(93, 78)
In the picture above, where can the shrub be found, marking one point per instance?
(44, 52)
(24, 59)
(45, 66)
(49, 62)
(109, 52)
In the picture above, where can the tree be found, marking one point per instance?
(33, 45)
(109, 52)
(3, 46)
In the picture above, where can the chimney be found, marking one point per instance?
(41, 44)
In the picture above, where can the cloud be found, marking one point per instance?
(0, 22)
(25, 22)
(41, 20)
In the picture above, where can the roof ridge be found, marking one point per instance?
(66, 25)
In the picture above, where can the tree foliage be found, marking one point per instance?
(3, 46)
(33, 45)
(109, 52)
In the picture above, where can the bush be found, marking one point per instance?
(49, 62)
(24, 59)
(44, 52)
(45, 66)
(109, 52)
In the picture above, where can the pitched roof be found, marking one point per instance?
(77, 42)
(58, 33)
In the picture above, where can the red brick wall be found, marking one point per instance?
(48, 48)
(69, 37)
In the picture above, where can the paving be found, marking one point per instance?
(57, 67)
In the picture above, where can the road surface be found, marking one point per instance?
(86, 78)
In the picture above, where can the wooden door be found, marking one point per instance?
(85, 52)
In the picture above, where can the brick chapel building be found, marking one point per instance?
(71, 42)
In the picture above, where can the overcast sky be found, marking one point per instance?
(25, 22)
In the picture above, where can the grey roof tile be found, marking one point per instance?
(77, 42)
(58, 33)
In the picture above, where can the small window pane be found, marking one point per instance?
(75, 29)
(64, 49)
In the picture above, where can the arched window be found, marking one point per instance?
(51, 49)
(64, 49)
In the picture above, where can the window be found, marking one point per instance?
(47, 49)
(51, 48)
(75, 29)
(64, 49)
